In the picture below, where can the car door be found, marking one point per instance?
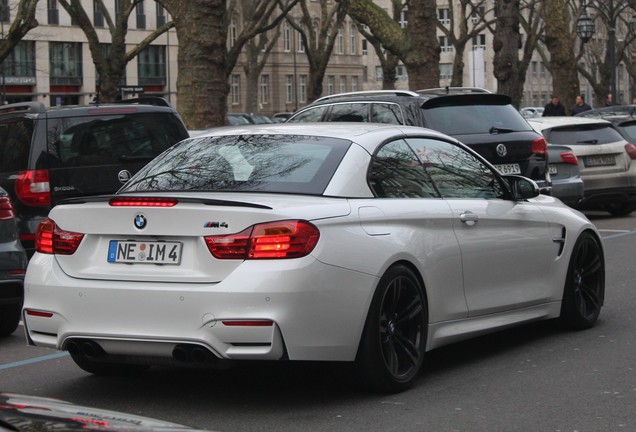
(505, 245)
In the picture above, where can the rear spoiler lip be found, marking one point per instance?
(204, 201)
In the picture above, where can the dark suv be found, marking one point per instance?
(487, 122)
(49, 154)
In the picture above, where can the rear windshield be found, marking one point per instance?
(474, 119)
(106, 139)
(582, 135)
(245, 163)
(15, 144)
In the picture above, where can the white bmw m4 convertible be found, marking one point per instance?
(362, 243)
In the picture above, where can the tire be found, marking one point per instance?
(9, 318)
(584, 291)
(620, 209)
(394, 338)
(106, 368)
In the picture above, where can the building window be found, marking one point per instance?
(445, 71)
(65, 60)
(379, 74)
(340, 41)
(98, 16)
(533, 68)
(542, 70)
(302, 89)
(354, 83)
(5, 11)
(235, 89)
(404, 18)
(478, 14)
(445, 44)
(117, 7)
(264, 93)
(21, 60)
(289, 89)
(342, 84)
(287, 37)
(53, 14)
(331, 84)
(400, 73)
(365, 49)
(151, 65)
(353, 31)
(233, 31)
(443, 16)
(161, 15)
(301, 45)
(141, 15)
(479, 41)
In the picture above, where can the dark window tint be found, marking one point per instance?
(309, 115)
(387, 113)
(396, 172)
(15, 144)
(629, 131)
(96, 140)
(263, 163)
(593, 134)
(349, 112)
(455, 172)
(474, 119)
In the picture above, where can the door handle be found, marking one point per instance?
(469, 218)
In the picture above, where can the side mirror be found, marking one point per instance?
(522, 188)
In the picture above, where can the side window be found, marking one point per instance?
(386, 113)
(15, 144)
(396, 172)
(355, 112)
(309, 115)
(455, 172)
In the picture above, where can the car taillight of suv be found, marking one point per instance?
(6, 209)
(33, 188)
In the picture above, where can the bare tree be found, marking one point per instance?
(23, 21)
(110, 63)
(416, 45)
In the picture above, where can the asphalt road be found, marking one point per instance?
(533, 378)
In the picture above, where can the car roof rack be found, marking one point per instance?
(146, 100)
(369, 93)
(23, 107)
(451, 90)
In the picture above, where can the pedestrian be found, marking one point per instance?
(554, 108)
(580, 105)
(608, 100)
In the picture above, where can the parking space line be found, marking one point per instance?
(615, 233)
(34, 360)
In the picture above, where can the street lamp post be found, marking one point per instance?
(610, 10)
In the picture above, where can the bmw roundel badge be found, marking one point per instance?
(140, 221)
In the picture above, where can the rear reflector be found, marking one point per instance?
(272, 240)
(631, 150)
(17, 272)
(248, 323)
(50, 239)
(33, 188)
(143, 202)
(38, 313)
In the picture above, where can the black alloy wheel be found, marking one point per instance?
(584, 291)
(394, 339)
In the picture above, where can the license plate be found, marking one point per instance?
(605, 160)
(144, 252)
(552, 169)
(508, 168)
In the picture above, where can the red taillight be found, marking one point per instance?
(631, 151)
(273, 240)
(143, 202)
(50, 239)
(569, 158)
(540, 146)
(33, 188)
(6, 209)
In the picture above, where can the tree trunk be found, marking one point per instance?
(506, 44)
(422, 59)
(202, 86)
(560, 43)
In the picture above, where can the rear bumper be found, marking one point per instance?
(316, 311)
(597, 199)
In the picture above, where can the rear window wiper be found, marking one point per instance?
(591, 141)
(496, 130)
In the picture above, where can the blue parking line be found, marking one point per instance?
(34, 360)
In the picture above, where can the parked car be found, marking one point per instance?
(567, 184)
(486, 122)
(24, 413)
(235, 119)
(48, 154)
(13, 264)
(605, 159)
(281, 117)
(623, 117)
(357, 242)
(529, 112)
